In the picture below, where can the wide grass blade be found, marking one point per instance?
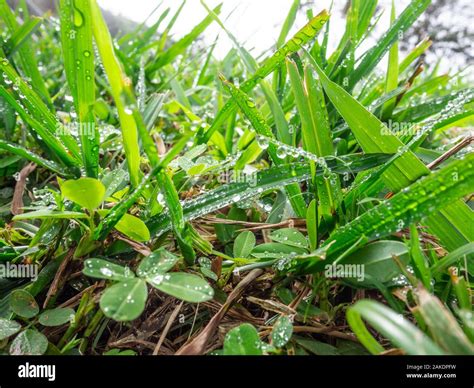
(121, 91)
(76, 20)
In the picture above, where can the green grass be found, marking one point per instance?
(163, 173)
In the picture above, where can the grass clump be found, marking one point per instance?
(286, 202)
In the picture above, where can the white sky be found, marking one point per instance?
(256, 23)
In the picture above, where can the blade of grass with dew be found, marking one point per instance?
(248, 107)
(452, 258)
(311, 106)
(54, 146)
(22, 34)
(27, 58)
(280, 74)
(418, 51)
(420, 263)
(78, 56)
(265, 180)
(401, 332)
(164, 36)
(24, 99)
(374, 136)
(370, 59)
(391, 82)
(180, 46)
(120, 89)
(251, 65)
(303, 36)
(433, 106)
(358, 19)
(32, 157)
(408, 206)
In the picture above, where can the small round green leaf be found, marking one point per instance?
(29, 343)
(124, 301)
(282, 331)
(243, 341)
(23, 304)
(8, 328)
(131, 226)
(243, 244)
(289, 236)
(160, 261)
(184, 286)
(102, 269)
(56, 317)
(86, 192)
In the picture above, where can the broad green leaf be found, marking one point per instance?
(243, 244)
(86, 192)
(393, 326)
(289, 236)
(23, 304)
(29, 343)
(184, 286)
(242, 341)
(377, 261)
(159, 262)
(56, 317)
(317, 347)
(124, 301)
(8, 328)
(102, 269)
(282, 331)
